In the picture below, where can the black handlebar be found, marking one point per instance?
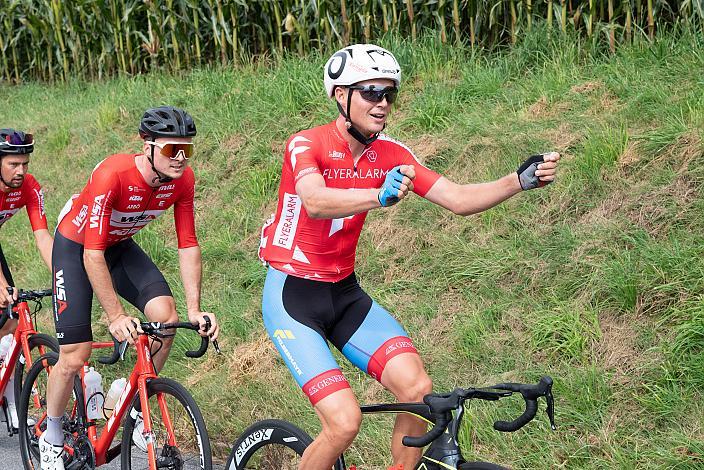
(153, 328)
(430, 436)
(441, 406)
(518, 423)
(23, 296)
(530, 394)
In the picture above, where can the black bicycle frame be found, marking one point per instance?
(443, 453)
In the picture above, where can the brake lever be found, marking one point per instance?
(550, 410)
(123, 349)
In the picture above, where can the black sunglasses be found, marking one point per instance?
(376, 95)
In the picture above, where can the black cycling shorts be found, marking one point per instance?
(5, 269)
(134, 276)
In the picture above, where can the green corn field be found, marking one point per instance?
(56, 39)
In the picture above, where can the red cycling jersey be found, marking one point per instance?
(28, 194)
(324, 249)
(117, 202)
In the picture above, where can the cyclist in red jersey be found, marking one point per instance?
(19, 189)
(332, 176)
(94, 252)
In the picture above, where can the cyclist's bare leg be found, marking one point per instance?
(340, 417)
(405, 377)
(9, 328)
(60, 383)
(162, 309)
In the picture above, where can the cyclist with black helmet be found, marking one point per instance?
(332, 176)
(19, 189)
(94, 252)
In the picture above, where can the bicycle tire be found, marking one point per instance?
(481, 466)
(28, 437)
(132, 455)
(270, 433)
(34, 341)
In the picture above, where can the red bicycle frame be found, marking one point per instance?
(20, 342)
(137, 384)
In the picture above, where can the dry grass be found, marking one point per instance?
(563, 138)
(616, 350)
(543, 109)
(586, 87)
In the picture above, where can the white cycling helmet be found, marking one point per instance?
(360, 62)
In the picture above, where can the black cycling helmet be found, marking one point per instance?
(14, 142)
(166, 121)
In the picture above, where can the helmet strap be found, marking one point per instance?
(353, 131)
(160, 177)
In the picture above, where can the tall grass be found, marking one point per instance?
(57, 39)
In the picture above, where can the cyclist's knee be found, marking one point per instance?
(72, 357)
(342, 427)
(161, 309)
(415, 389)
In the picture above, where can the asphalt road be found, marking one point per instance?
(10, 452)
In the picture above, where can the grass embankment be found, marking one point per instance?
(597, 280)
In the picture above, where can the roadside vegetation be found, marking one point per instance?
(596, 280)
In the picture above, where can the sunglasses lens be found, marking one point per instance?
(16, 139)
(177, 150)
(376, 96)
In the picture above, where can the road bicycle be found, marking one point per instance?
(275, 444)
(26, 344)
(171, 432)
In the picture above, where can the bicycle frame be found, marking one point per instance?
(136, 386)
(20, 342)
(441, 454)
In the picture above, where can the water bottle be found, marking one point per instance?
(116, 389)
(5, 343)
(94, 394)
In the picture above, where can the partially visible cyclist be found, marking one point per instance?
(19, 189)
(332, 176)
(94, 252)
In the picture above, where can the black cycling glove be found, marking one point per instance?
(526, 173)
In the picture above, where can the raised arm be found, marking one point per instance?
(467, 199)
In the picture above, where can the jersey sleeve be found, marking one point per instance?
(184, 214)
(301, 155)
(425, 177)
(35, 204)
(102, 190)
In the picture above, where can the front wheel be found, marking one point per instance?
(179, 437)
(267, 445)
(32, 412)
(39, 344)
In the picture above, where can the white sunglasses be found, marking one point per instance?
(174, 150)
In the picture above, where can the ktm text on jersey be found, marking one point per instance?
(117, 203)
(324, 249)
(28, 194)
